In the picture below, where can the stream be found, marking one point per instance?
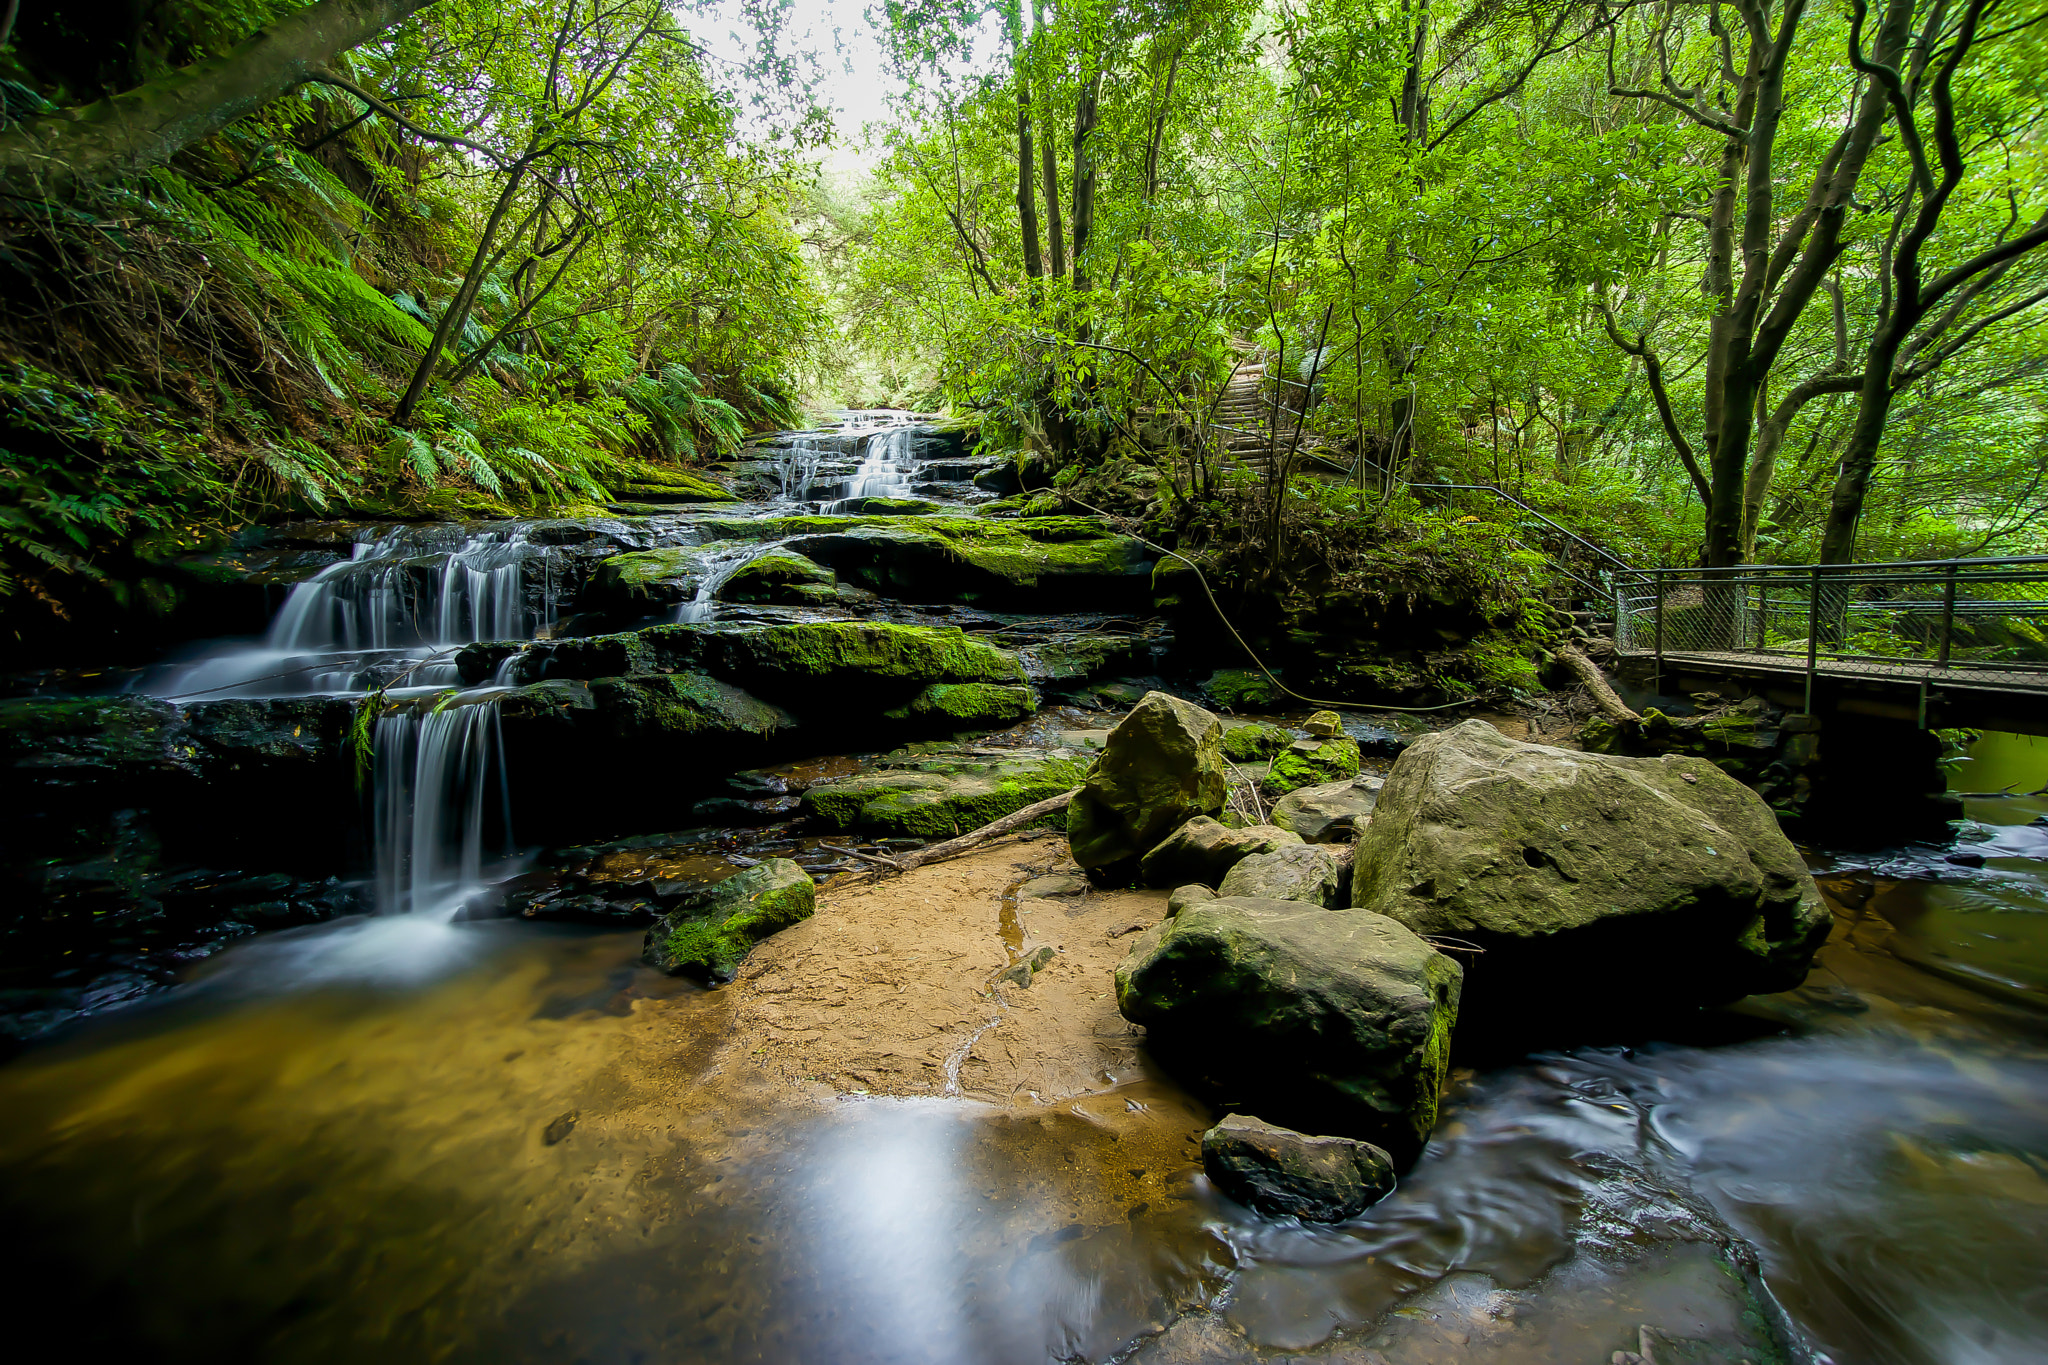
(416, 1135)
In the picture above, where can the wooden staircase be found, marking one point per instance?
(1243, 422)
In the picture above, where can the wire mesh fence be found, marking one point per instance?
(1975, 622)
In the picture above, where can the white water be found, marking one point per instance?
(443, 820)
(885, 469)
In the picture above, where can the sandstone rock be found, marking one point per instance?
(1600, 888)
(710, 931)
(1311, 762)
(1183, 896)
(1324, 725)
(940, 795)
(1055, 885)
(1162, 766)
(646, 579)
(968, 705)
(1328, 1021)
(1330, 812)
(1284, 1173)
(1204, 849)
(778, 576)
(1255, 742)
(1303, 872)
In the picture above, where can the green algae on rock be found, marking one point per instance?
(682, 705)
(1254, 742)
(710, 933)
(971, 704)
(1161, 767)
(1238, 689)
(645, 579)
(1328, 1021)
(940, 796)
(780, 577)
(1311, 762)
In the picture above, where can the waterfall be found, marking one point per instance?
(885, 469)
(798, 467)
(442, 806)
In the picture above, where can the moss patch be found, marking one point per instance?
(969, 704)
(1254, 743)
(1309, 763)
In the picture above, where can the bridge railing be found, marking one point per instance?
(1975, 622)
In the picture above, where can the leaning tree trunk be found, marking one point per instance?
(59, 154)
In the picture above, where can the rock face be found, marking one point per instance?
(1303, 872)
(1161, 767)
(1203, 850)
(1330, 812)
(1328, 1021)
(646, 580)
(1599, 887)
(1183, 896)
(1287, 1174)
(708, 933)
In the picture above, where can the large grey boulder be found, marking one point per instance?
(1328, 1021)
(1284, 1173)
(1303, 872)
(711, 930)
(1160, 767)
(1600, 889)
(1203, 850)
(1330, 812)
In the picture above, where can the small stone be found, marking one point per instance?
(1184, 896)
(560, 1128)
(1282, 1173)
(1054, 885)
(1324, 725)
(1304, 872)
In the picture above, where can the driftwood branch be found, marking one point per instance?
(966, 843)
(1604, 696)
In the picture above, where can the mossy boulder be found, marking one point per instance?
(646, 580)
(1283, 1173)
(779, 577)
(888, 507)
(1301, 872)
(1603, 890)
(969, 705)
(1255, 742)
(1328, 1021)
(1161, 767)
(690, 706)
(792, 659)
(940, 796)
(1331, 812)
(653, 484)
(1203, 850)
(1311, 762)
(1238, 689)
(710, 932)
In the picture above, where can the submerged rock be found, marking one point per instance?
(1602, 889)
(1332, 1021)
(709, 932)
(1304, 872)
(1330, 812)
(1287, 1174)
(1203, 850)
(1161, 766)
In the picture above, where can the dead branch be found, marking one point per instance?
(1604, 696)
(966, 843)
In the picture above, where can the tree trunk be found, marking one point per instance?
(1084, 179)
(59, 154)
(457, 316)
(1027, 207)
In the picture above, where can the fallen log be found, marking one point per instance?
(1604, 697)
(973, 839)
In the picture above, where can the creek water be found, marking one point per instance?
(411, 1140)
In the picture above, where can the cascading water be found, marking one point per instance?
(885, 469)
(798, 467)
(442, 806)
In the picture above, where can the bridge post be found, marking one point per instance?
(1812, 637)
(1948, 614)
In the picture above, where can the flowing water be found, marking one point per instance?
(407, 1140)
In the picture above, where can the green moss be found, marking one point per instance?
(827, 649)
(778, 576)
(941, 804)
(1238, 689)
(968, 704)
(651, 576)
(683, 704)
(1255, 743)
(1307, 763)
(737, 913)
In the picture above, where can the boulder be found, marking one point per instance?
(1254, 742)
(1282, 1173)
(709, 931)
(1303, 872)
(939, 796)
(1330, 812)
(1311, 762)
(1203, 850)
(646, 580)
(1328, 1021)
(779, 577)
(1161, 767)
(1055, 884)
(1183, 896)
(968, 705)
(1601, 888)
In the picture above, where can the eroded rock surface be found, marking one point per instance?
(1329, 812)
(1204, 849)
(709, 931)
(1301, 872)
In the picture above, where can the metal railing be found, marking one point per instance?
(1968, 622)
(1598, 574)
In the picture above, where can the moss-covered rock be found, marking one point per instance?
(1255, 742)
(1161, 767)
(888, 507)
(1602, 889)
(779, 577)
(1329, 1021)
(682, 706)
(654, 484)
(969, 705)
(710, 932)
(1299, 872)
(943, 796)
(1311, 762)
(647, 579)
(1203, 850)
(782, 658)
(1238, 689)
